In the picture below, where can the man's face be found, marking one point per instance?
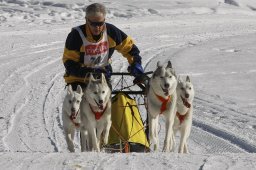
(96, 23)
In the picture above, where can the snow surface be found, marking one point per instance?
(213, 41)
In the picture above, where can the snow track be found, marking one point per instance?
(21, 69)
(241, 145)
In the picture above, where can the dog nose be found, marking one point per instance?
(166, 85)
(187, 95)
(73, 109)
(100, 101)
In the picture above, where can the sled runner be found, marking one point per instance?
(127, 133)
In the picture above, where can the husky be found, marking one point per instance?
(71, 114)
(184, 110)
(161, 99)
(96, 112)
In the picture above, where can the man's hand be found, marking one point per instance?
(142, 79)
(135, 69)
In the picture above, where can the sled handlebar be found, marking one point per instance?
(128, 74)
(129, 92)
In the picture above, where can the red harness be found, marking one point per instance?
(98, 115)
(164, 102)
(182, 117)
(72, 117)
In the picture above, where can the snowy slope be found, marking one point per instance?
(213, 41)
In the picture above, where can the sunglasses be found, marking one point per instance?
(96, 24)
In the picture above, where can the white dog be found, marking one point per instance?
(162, 100)
(183, 120)
(96, 112)
(71, 114)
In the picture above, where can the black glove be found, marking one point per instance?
(135, 69)
(141, 79)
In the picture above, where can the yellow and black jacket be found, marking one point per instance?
(74, 53)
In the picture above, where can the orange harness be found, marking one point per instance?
(182, 117)
(164, 102)
(98, 115)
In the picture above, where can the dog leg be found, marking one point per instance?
(69, 138)
(150, 127)
(174, 141)
(153, 132)
(186, 135)
(186, 147)
(84, 140)
(107, 132)
(168, 142)
(182, 139)
(99, 135)
(175, 129)
(156, 132)
(95, 146)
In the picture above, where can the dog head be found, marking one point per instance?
(164, 80)
(98, 92)
(72, 101)
(185, 89)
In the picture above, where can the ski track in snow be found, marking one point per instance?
(18, 114)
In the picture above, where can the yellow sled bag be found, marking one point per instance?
(127, 133)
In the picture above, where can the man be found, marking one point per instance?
(89, 48)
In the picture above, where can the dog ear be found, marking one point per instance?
(157, 72)
(70, 90)
(179, 79)
(174, 73)
(188, 79)
(79, 89)
(158, 64)
(169, 65)
(103, 78)
(91, 78)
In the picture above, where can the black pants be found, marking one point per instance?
(83, 85)
(75, 84)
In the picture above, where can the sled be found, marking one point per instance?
(127, 133)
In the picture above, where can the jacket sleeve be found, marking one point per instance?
(71, 55)
(125, 45)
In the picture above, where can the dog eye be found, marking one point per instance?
(95, 92)
(78, 101)
(103, 91)
(182, 88)
(70, 101)
(170, 76)
(161, 77)
(190, 88)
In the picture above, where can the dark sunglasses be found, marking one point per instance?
(96, 24)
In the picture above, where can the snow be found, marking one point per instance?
(212, 41)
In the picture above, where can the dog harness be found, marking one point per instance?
(98, 115)
(72, 117)
(164, 102)
(182, 117)
(96, 53)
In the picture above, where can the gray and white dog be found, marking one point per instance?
(161, 99)
(183, 119)
(96, 113)
(71, 114)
